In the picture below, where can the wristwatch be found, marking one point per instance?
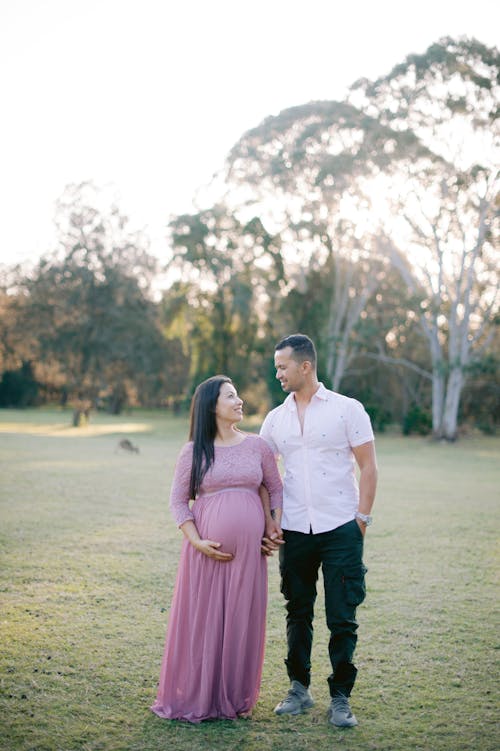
(365, 518)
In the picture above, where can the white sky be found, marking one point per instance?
(148, 96)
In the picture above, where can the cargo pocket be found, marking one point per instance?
(353, 580)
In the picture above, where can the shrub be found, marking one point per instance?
(417, 420)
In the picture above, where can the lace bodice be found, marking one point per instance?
(246, 465)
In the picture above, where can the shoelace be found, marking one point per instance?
(341, 704)
(294, 693)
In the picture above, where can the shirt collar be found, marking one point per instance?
(321, 393)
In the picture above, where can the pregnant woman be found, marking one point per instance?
(214, 648)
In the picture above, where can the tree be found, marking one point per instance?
(404, 173)
(310, 170)
(444, 210)
(391, 371)
(18, 384)
(481, 397)
(222, 264)
(90, 304)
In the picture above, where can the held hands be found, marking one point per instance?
(273, 537)
(210, 549)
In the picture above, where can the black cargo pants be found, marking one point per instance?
(339, 553)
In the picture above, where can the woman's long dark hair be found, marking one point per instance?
(203, 428)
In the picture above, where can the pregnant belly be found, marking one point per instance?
(233, 518)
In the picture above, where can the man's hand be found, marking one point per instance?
(361, 525)
(273, 537)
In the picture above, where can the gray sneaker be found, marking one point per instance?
(340, 713)
(296, 701)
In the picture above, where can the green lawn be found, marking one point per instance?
(89, 556)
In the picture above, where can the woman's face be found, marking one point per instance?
(229, 407)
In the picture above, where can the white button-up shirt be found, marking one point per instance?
(320, 488)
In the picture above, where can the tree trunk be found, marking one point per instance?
(81, 413)
(117, 399)
(438, 393)
(452, 402)
(338, 364)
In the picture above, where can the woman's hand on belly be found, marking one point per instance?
(211, 550)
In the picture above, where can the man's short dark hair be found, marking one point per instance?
(303, 347)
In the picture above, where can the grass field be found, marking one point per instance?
(89, 555)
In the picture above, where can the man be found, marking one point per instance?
(320, 435)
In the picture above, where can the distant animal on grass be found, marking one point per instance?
(127, 445)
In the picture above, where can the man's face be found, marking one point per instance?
(289, 372)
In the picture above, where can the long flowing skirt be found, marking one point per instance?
(214, 648)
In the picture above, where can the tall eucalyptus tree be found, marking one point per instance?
(309, 171)
(441, 215)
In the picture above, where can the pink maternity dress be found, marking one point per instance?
(214, 648)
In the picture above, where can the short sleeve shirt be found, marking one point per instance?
(320, 488)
